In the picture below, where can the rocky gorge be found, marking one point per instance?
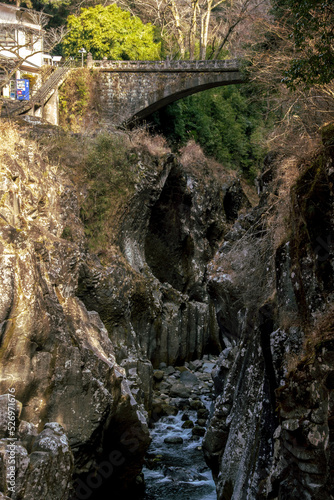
(95, 345)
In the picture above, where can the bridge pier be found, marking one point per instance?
(49, 111)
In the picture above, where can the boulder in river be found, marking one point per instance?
(195, 365)
(188, 424)
(173, 440)
(196, 404)
(198, 431)
(180, 391)
(202, 413)
(158, 375)
(188, 379)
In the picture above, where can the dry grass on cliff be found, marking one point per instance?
(9, 137)
(106, 167)
(323, 329)
(156, 145)
(279, 210)
(194, 161)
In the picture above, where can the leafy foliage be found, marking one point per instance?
(310, 23)
(110, 169)
(226, 122)
(110, 32)
(78, 105)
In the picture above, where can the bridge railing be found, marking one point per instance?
(218, 65)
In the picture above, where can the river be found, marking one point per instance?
(177, 471)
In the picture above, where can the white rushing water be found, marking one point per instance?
(179, 470)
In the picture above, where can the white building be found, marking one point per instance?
(21, 36)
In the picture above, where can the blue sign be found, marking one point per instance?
(22, 90)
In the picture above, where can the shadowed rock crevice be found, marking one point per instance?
(169, 246)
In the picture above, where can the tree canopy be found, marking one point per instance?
(228, 122)
(111, 32)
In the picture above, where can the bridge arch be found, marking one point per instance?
(132, 90)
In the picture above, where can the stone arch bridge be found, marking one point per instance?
(132, 90)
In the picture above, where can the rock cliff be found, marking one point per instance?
(80, 338)
(75, 410)
(189, 268)
(271, 434)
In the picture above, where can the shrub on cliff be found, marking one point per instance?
(78, 101)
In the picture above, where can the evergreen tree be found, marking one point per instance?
(228, 122)
(111, 32)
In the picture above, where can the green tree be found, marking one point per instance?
(310, 26)
(111, 32)
(229, 123)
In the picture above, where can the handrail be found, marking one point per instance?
(224, 64)
(43, 92)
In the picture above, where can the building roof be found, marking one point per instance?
(23, 9)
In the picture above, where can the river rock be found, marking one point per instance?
(173, 440)
(196, 404)
(188, 424)
(198, 431)
(207, 367)
(181, 369)
(168, 409)
(169, 370)
(165, 386)
(180, 391)
(195, 365)
(181, 475)
(203, 413)
(158, 375)
(188, 379)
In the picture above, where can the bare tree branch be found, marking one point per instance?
(20, 42)
(191, 27)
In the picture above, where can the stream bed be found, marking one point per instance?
(177, 471)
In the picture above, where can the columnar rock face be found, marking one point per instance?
(56, 356)
(157, 298)
(78, 338)
(271, 434)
